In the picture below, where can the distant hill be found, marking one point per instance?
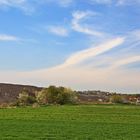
(10, 92)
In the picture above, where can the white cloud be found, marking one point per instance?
(92, 52)
(30, 6)
(64, 3)
(10, 2)
(115, 2)
(58, 30)
(7, 38)
(78, 16)
(135, 34)
(125, 61)
(24, 5)
(4, 37)
(70, 74)
(101, 1)
(128, 2)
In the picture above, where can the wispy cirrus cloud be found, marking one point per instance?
(62, 3)
(125, 61)
(128, 2)
(75, 71)
(115, 2)
(4, 37)
(101, 1)
(86, 77)
(58, 30)
(81, 56)
(24, 5)
(79, 16)
(17, 39)
(30, 6)
(11, 2)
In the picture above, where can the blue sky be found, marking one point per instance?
(83, 44)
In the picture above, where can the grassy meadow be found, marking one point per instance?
(81, 122)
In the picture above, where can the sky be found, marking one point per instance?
(82, 44)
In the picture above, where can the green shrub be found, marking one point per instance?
(25, 99)
(41, 97)
(116, 99)
(56, 95)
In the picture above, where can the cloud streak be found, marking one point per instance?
(101, 1)
(126, 61)
(30, 6)
(58, 30)
(128, 2)
(63, 3)
(92, 52)
(78, 16)
(4, 37)
(70, 74)
(116, 2)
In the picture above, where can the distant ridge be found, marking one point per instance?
(10, 92)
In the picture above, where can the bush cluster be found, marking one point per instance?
(50, 95)
(117, 99)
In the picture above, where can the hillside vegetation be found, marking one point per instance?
(18, 95)
(10, 92)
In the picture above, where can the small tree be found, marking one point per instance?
(116, 99)
(56, 95)
(66, 96)
(52, 94)
(41, 97)
(25, 99)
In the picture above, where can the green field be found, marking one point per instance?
(84, 122)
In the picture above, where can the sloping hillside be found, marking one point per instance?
(9, 92)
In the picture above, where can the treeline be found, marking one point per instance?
(61, 95)
(50, 95)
